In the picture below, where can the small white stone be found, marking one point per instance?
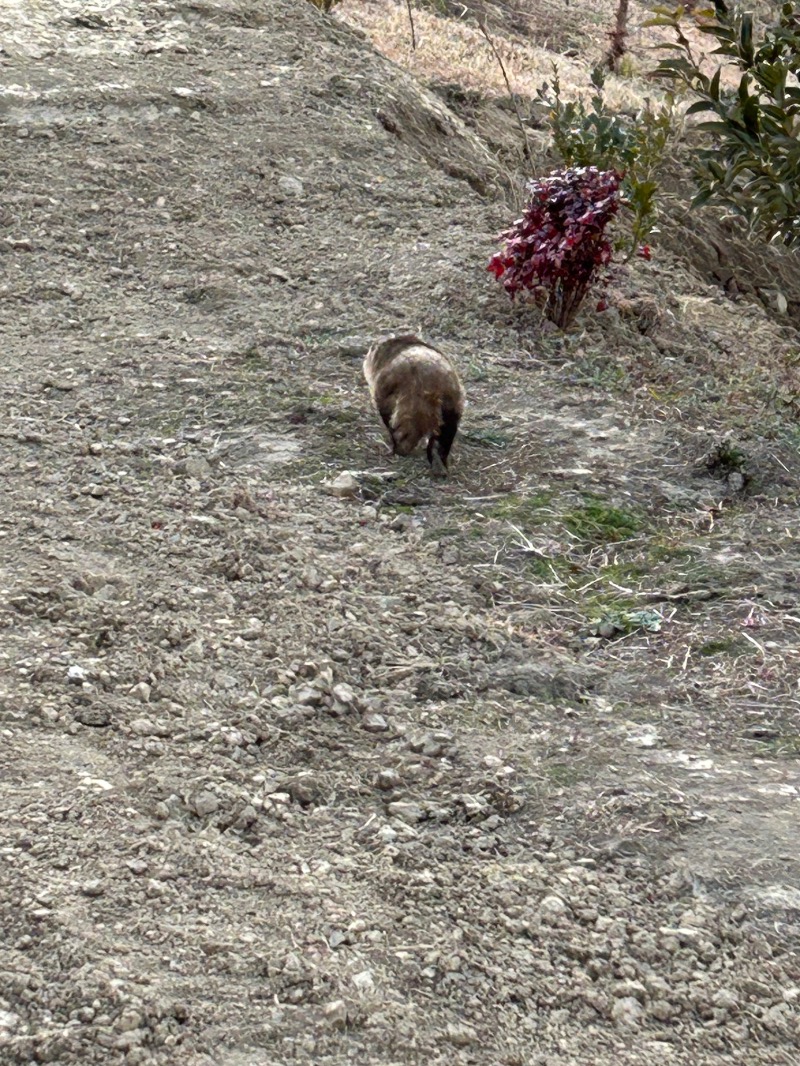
(627, 1012)
(290, 185)
(460, 1035)
(406, 812)
(364, 981)
(336, 1013)
(345, 485)
(374, 723)
(553, 906)
(197, 467)
(141, 692)
(204, 803)
(344, 694)
(8, 1020)
(128, 1021)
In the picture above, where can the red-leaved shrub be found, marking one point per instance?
(558, 247)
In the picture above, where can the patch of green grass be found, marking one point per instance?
(727, 457)
(253, 357)
(542, 568)
(790, 434)
(476, 371)
(487, 438)
(667, 552)
(339, 448)
(522, 510)
(575, 574)
(596, 522)
(597, 372)
(561, 774)
(786, 746)
(598, 602)
(725, 646)
(342, 416)
(443, 532)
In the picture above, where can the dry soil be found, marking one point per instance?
(500, 771)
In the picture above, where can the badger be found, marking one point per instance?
(418, 394)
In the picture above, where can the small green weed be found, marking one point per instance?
(595, 522)
(725, 646)
(667, 551)
(628, 67)
(253, 357)
(786, 746)
(523, 511)
(597, 371)
(477, 371)
(487, 438)
(549, 568)
(726, 457)
(562, 774)
(616, 622)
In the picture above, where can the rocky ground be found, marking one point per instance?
(369, 769)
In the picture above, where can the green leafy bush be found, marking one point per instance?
(752, 164)
(632, 144)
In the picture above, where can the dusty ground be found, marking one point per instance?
(402, 777)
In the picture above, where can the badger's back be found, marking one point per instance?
(385, 352)
(413, 385)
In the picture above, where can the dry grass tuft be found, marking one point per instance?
(451, 50)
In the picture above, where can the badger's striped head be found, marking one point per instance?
(405, 437)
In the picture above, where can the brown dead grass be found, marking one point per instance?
(452, 50)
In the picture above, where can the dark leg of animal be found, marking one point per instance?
(386, 414)
(447, 434)
(432, 440)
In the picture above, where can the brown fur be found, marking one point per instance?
(418, 394)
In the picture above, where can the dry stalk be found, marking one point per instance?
(526, 149)
(411, 24)
(617, 37)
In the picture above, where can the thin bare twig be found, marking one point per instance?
(411, 23)
(617, 37)
(526, 149)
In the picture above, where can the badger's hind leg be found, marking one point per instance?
(385, 410)
(443, 441)
(438, 468)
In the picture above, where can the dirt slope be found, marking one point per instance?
(288, 777)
